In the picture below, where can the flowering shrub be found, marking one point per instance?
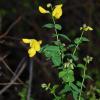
(62, 60)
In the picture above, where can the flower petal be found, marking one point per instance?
(42, 10)
(35, 44)
(31, 52)
(57, 12)
(26, 40)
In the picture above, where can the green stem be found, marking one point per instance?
(57, 37)
(54, 26)
(53, 93)
(77, 44)
(84, 74)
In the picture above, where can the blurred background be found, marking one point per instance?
(21, 18)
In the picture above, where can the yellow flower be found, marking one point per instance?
(57, 12)
(86, 28)
(42, 10)
(34, 46)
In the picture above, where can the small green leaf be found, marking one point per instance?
(74, 87)
(65, 89)
(58, 26)
(54, 89)
(80, 40)
(63, 36)
(88, 77)
(77, 41)
(75, 58)
(62, 73)
(78, 83)
(49, 25)
(75, 95)
(98, 91)
(56, 59)
(71, 46)
(67, 75)
(84, 39)
(81, 66)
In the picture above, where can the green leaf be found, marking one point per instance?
(98, 91)
(78, 41)
(74, 87)
(81, 66)
(63, 36)
(54, 89)
(62, 73)
(58, 26)
(70, 77)
(75, 95)
(50, 25)
(56, 59)
(67, 75)
(88, 77)
(65, 89)
(71, 46)
(84, 39)
(78, 83)
(75, 58)
(53, 53)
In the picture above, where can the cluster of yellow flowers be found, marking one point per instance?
(34, 46)
(57, 11)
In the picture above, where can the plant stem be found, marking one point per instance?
(84, 73)
(77, 44)
(54, 25)
(57, 37)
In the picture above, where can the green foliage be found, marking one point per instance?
(57, 52)
(67, 75)
(63, 36)
(50, 25)
(66, 62)
(80, 40)
(58, 26)
(54, 53)
(23, 94)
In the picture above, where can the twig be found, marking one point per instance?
(30, 79)
(10, 69)
(11, 26)
(13, 79)
(10, 83)
(19, 65)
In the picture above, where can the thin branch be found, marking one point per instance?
(12, 84)
(11, 26)
(30, 79)
(13, 79)
(10, 69)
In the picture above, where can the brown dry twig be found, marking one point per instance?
(13, 79)
(11, 26)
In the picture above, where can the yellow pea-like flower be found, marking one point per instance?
(57, 12)
(34, 46)
(42, 10)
